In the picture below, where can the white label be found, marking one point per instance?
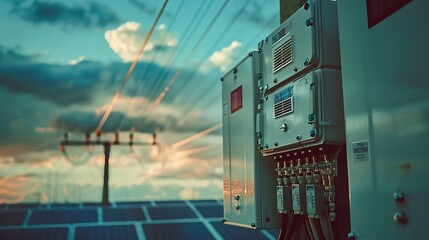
(225, 109)
(361, 151)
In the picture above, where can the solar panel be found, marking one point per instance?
(145, 203)
(63, 216)
(64, 205)
(34, 234)
(237, 233)
(177, 231)
(93, 204)
(176, 202)
(123, 214)
(210, 211)
(122, 232)
(204, 202)
(157, 213)
(24, 205)
(10, 218)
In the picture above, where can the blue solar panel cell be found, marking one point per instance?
(93, 204)
(205, 202)
(145, 203)
(210, 211)
(123, 214)
(237, 233)
(178, 202)
(158, 213)
(177, 231)
(24, 205)
(10, 218)
(34, 234)
(64, 205)
(63, 216)
(122, 232)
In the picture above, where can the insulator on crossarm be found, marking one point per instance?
(131, 139)
(116, 139)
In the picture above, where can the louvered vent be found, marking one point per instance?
(282, 55)
(284, 107)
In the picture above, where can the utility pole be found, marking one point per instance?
(107, 146)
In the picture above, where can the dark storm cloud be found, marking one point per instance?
(93, 14)
(83, 121)
(65, 85)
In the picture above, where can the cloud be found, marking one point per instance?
(168, 118)
(127, 39)
(67, 85)
(226, 57)
(77, 60)
(93, 14)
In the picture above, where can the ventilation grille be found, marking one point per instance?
(284, 107)
(282, 55)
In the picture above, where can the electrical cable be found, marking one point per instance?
(196, 136)
(325, 226)
(187, 36)
(130, 71)
(306, 226)
(283, 229)
(161, 96)
(156, 84)
(292, 228)
(319, 229)
(149, 68)
(211, 86)
(211, 49)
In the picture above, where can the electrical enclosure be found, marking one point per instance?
(384, 50)
(248, 202)
(303, 113)
(305, 41)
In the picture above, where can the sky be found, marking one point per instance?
(61, 64)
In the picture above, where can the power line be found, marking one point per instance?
(196, 136)
(149, 68)
(201, 95)
(151, 90)
(130, 71)
(222, 35)
(179, 71)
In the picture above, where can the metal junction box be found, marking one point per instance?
(249, 185)
(305, 112)
(305, 41)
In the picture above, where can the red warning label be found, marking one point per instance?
(378, 10)
(236, 99)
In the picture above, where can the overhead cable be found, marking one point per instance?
(130, 71)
